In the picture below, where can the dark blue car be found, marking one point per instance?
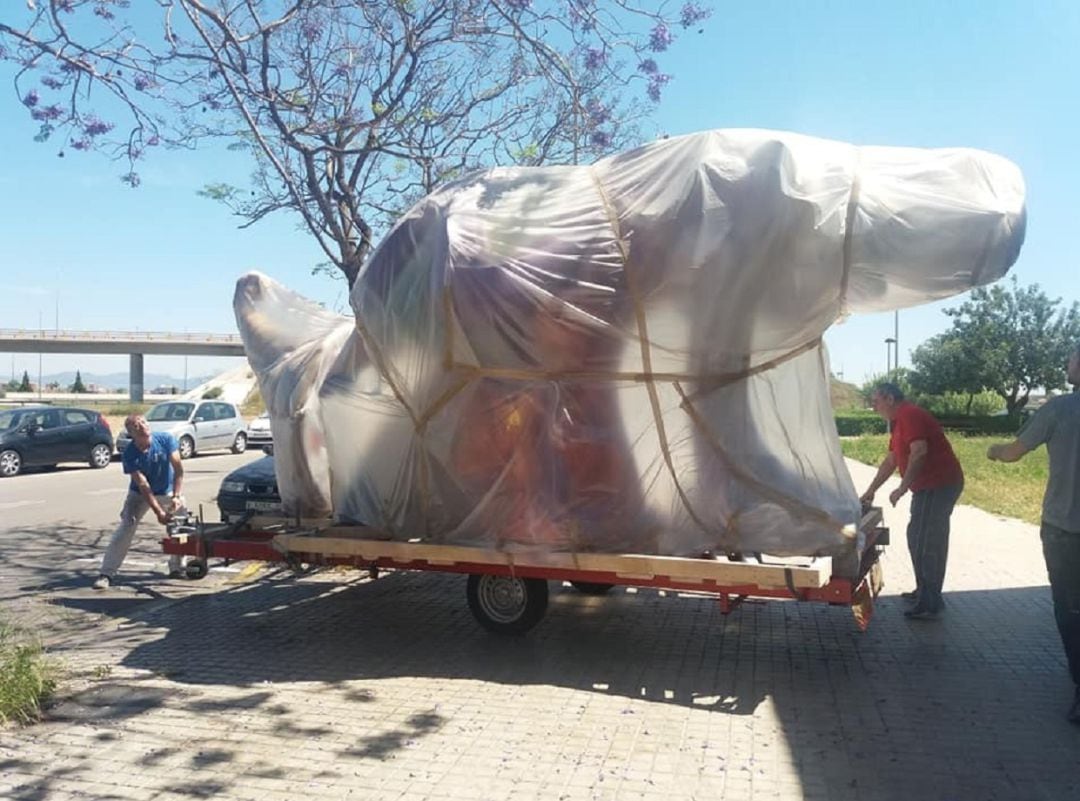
(250, 490)
(44, 436)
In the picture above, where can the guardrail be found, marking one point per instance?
(31, 335)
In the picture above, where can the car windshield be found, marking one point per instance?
(170, 411)
(10, 419)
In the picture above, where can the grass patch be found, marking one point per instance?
(113, 408)
(27, 677)
(253, 404)
(1011, 490)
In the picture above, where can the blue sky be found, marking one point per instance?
(1002, 76)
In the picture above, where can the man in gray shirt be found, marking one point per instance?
(1058, 425)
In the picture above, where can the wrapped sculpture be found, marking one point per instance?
(623, 357)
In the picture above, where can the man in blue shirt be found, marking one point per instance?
(1057, 424)
(153, 462)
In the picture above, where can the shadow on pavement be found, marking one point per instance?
(933, 708)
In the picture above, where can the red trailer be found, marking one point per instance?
(508, 592)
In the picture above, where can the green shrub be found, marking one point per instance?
(213, 392)
(959, 404)
(855, 423)
(27, 677)
(986, 424)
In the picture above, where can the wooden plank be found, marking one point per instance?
(356, 543)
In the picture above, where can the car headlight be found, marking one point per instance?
(232, 486)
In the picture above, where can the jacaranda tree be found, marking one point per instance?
(350, 109)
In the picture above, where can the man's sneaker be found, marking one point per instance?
(922, 613)
(911, 595)
(1074, 711)
(176, 574)
(102, 583)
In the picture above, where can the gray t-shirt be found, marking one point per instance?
(1058, 425)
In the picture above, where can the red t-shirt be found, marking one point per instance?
(941, 467)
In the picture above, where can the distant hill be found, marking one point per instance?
(120, 380)
(844, 395)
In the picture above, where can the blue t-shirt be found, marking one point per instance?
(154, 464)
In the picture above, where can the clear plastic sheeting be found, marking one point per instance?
(623, 357)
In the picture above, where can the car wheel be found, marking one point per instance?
(240, 443)
(507, 604)
(10, 463)
(100, 455)
(187, 447)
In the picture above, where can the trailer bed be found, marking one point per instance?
(502, 581)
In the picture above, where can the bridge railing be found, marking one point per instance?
(117, 336)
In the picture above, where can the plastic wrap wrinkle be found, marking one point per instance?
(624, 357)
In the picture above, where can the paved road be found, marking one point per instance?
(270, 686)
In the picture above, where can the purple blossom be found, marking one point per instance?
(600, 139)
(153, 141)
(598, 113)
(95, 127)
(66, 5)
(143, 82)
(81, 144)
(52, 112)
(101, 10)
(519, 5)
(594, 58)
(31, 98)
(656, 83)
(131, 179)
(660, 37)
(51, 82)
(693, 13)
(648, 66)
(310, 30)
(581, 14)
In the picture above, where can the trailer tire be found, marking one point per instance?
(505, 604)
(196, 569)
(591, 587)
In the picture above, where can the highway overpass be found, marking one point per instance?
(134, 343)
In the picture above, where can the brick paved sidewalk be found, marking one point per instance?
(332, 686)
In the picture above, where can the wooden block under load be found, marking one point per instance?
(336, 541)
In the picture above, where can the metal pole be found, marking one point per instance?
(896, 339)
(41, 332)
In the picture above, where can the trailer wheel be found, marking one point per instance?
(196, 569)
(507, 605)
(591, 587)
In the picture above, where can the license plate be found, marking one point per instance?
(263, 506)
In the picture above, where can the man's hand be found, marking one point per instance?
(867, 498)
(163, 517)
(176, 505)
(896, 495)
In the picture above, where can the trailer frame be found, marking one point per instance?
(507, 590)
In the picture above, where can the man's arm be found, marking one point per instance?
(178, 479)
(1006, 451)
(916, 461)
(885, 469)
(144, 490)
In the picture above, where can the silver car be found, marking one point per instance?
(259, 434)
(197, 425)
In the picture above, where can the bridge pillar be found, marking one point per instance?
(135, 378)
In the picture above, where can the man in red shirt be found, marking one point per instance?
(930, 470)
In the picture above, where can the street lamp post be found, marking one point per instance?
(896, 340)
(889, 343)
